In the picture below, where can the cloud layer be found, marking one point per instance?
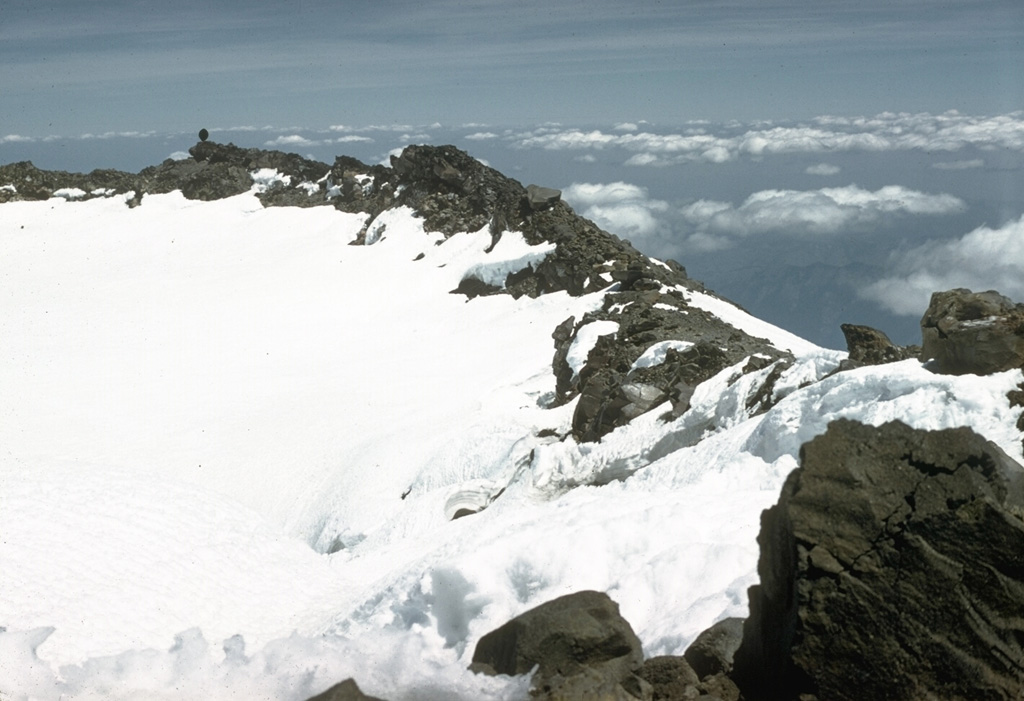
(984, 259)
(947, 132)
(621, 208)
(825, 211)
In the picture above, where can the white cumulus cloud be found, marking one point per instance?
(810, 212)
(984, 259)
(950, 131)
(352, 138)
(960, 165)
(822, 169)
(622, 208)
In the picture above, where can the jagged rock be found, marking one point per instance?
(541, 197)
(613, 389)
(347, 690)
(23, 181)
(869, 346)
(218, 170)
(583, 646)
(972, 332)
(354, 186)
(713, 650)
(890, 568)
(455, 192)
(671, 678)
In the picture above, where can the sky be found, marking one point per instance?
(141, 65)
(818, 162)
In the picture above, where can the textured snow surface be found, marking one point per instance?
(230, 445)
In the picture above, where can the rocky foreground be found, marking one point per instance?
(892, 565)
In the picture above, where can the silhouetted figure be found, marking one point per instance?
(203, 135)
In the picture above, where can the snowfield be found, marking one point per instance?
(231, 445)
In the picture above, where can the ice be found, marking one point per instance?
(655, 354)
(730, 313)
(233, 446)
(510, 255)
(586, 339)
(265, 178)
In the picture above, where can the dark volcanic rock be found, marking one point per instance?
(972, 332)
(23, 181)
(347, 690)
(713, 650)
(868, 346)
(455, 192)
(671, 678)
(891, 568)
(218, 170)
(541, 197)
(612, 391)
(583, 647)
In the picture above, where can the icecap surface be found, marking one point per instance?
(730, 313)
(202, 399)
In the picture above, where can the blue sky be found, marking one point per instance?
(139, 65)
(818, 162)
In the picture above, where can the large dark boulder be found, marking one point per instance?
(869, 346)
(978, 333)
(582, 646)
(892, 567)
(542, 197)
(713, 650)
(671, 678)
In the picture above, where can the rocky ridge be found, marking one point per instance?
(454, 192)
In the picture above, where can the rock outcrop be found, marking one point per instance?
(869, 346)
(978, 333)
(618, 382)
(218, 170)
(580, 644)
(890, 568)
(23, 181)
